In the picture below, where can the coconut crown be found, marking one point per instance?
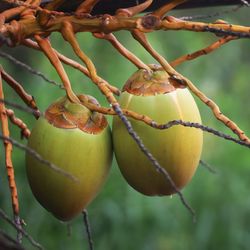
(152, 82)
(67, 115)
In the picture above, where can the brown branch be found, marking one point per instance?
(108, 24)
(10, 13)
(132, 11)
(110, 6)
(28, 99)
(202, 52)
(29, 12)
(122, 50)
(217, 28)
(86, 6)
(52, 56)
(8, 159)
(141, 38)
(152, 123)
(25, 132)
(167, 7)
(31, 44)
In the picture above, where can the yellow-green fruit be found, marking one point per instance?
(177, 149)
(79, 142)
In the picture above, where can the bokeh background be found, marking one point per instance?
(120, 217)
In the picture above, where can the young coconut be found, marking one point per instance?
(79, 142)
(177, 149)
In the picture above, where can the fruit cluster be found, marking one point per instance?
(81, 143)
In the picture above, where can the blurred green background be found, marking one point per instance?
(120, 217)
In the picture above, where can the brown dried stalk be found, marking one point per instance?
(26, 28)
(132, 11)
(86, 6)
(28, 99)
(152, 123)
(31, 44)
(52, 56)
(202, 52)
(8, 14)
(68, 34)
(25, 132)
(167, 7)
(141, 38)
(122, 50)
(8, 160)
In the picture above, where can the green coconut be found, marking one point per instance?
(177, 149)
(79, 142)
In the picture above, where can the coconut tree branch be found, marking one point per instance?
(25, 132)
(86, 6)
(181, 80)
(52, 56)
(132, 11)
(167, 7)
(28, 99)
(8, 161)
(88, 229)
(31, 44)
(28, 68)
(122, 50)
(202, 52)
(152, 123)
(4, 216)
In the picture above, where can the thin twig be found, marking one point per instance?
(14, 244)
(151, 158)
(18, 223)
(147, 120)
(29, 69)
(5, 40)
(38, 157)
(25, 132)
(141, 38)
(216, 14)
(22, 108)
(46, 47)
(122, 50)
(31, 44)
(208, 167)
(69, 229)
(88, 229)
(212, 47)
(204, 128)
(8, 147)
(4, 216)
(18, 88)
